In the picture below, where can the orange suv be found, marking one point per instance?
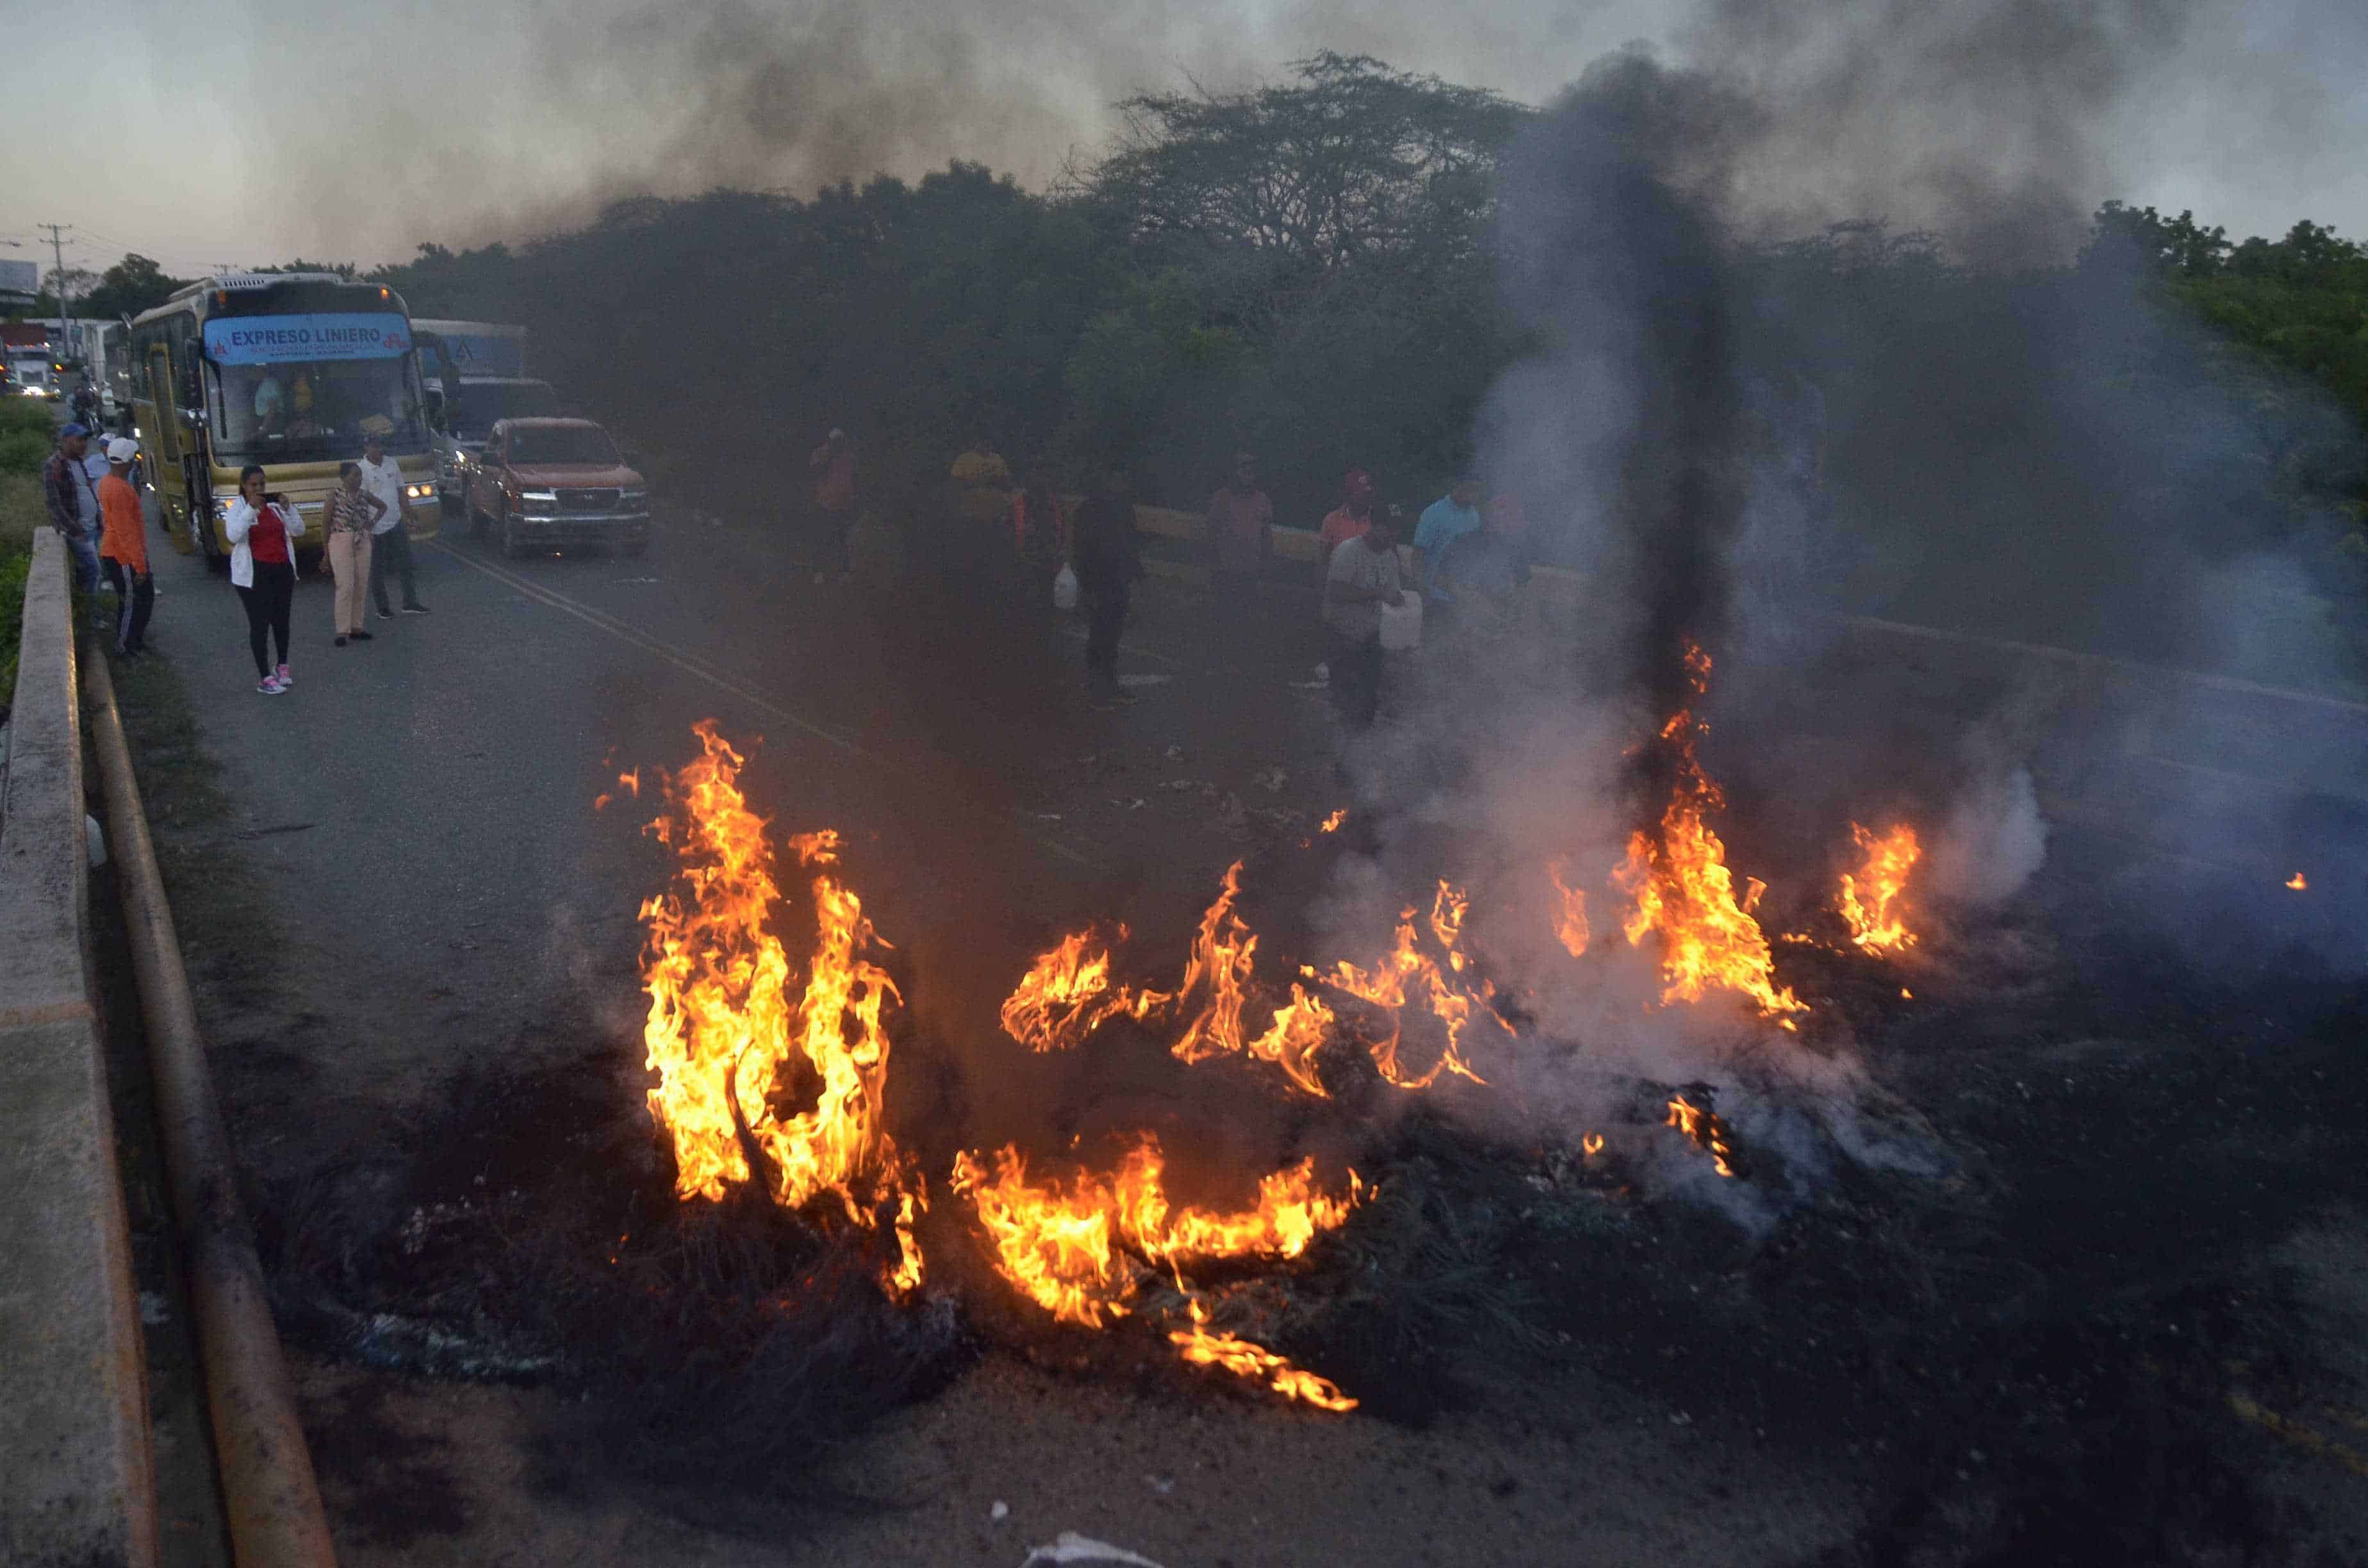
(546, 483)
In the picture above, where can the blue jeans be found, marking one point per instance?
(85, 561)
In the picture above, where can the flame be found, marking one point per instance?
(1244, 1360)
(1332, 823)
(1065, 996)
(1222, 956)
(1704, 1127)
(729, 1049)
(1079, 1250)
(1570, 919)
(1870, 899)
(1683, 889)
(1592, 1145)
(1406, 970)
(2297, 881)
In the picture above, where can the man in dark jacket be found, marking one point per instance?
(1108, 559)
(73, 498)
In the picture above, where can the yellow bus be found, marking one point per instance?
(288, 369)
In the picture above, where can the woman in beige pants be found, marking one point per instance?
(353, 512)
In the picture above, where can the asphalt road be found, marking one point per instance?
(419, 813)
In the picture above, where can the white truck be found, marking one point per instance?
(475, 375)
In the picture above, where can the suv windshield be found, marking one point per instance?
(484, 406)
(585, 445)
(314, 408)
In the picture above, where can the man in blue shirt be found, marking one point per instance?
(1444, 522)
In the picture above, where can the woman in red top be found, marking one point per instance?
(263, 569)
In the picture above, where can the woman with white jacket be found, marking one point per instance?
(263, 569)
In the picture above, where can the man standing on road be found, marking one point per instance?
(1361, 578)
(981, 483)
(391, 535)
(1107, 561)
(1444, 521)
(1241, 534)
(124, 549)
(73, 502)
(1348, 520)
(833, 466)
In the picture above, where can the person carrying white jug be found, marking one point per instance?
(1363, 577)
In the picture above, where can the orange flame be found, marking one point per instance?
(2297, 881)
(726, 1043)
(1870, 899)
(1570, 918)
(1704, 1127)
(1065, 996)
(1332, 823)
(1244, 1360)
(1073, 1249)
(1684, 890)
(1403, 972)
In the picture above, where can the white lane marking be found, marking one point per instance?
(691, 663)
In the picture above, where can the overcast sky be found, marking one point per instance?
(251, 131)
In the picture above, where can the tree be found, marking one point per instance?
(1270, 195)
(2178, 245)
(130, 286)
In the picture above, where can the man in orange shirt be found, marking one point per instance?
(1348, 520)
(123, 550)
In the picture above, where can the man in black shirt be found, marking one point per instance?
(1108, 559)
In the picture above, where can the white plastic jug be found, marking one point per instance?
(1402, 625)
(1065, 590)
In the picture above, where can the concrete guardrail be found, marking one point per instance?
(77, 1483)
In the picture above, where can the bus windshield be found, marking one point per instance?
(484, 405)
(314, 409)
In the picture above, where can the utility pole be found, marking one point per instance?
(58, 251)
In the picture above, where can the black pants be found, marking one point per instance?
(135, 595)
(1355, 667)
(267, 610)
(1105, 622)
(391, 552)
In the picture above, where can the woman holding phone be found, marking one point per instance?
(263, 532)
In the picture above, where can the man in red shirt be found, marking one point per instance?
(1241, 529)
(123, 550)
(1349, 520)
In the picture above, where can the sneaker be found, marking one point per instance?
(385, 613)
(341, 639)
(415, 609)
(285, 679)
(269, 685)
(362, 636)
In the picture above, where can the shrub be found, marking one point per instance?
(21, 451)
(29, 415)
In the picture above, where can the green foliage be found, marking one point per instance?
(21, 451)
(21, 513)
(27, 415)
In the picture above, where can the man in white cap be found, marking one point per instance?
(123, 549)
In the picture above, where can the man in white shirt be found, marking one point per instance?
(1361, 577)
(391, 544)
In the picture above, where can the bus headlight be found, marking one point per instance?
(417, 492)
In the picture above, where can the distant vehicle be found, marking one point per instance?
(292, 371)
(30, 369)
(475, 375)
(544, 482)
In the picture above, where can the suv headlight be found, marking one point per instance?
(632, 498)
(539, 500)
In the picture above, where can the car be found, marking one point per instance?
(545, 483)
